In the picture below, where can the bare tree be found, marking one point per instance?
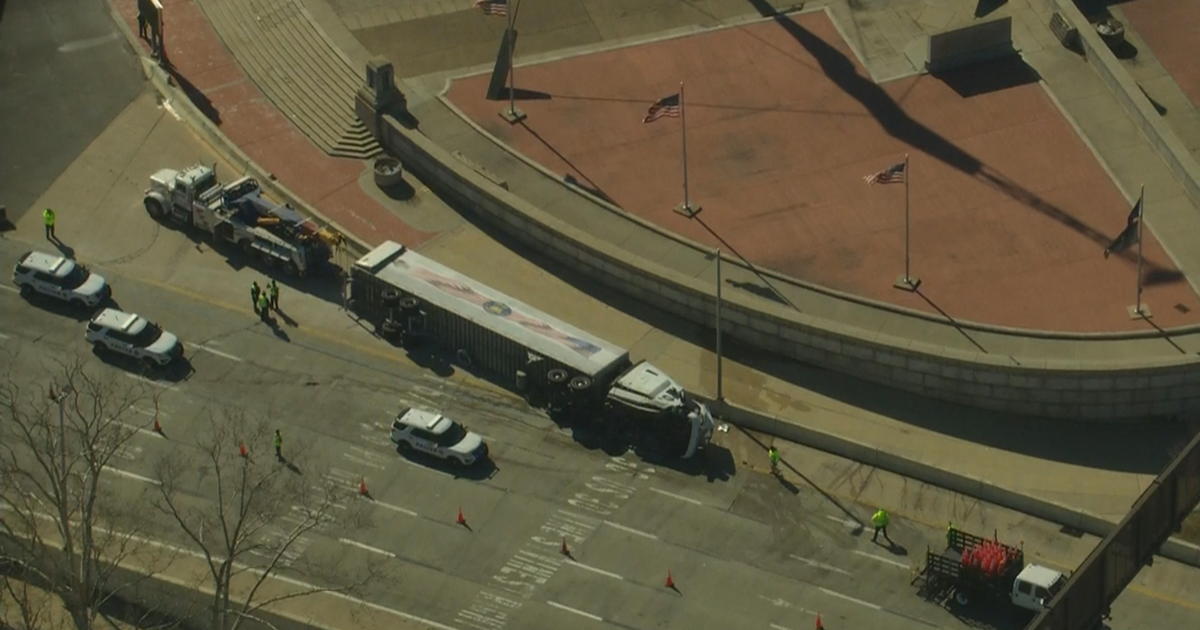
(252, 517)
(61, 529)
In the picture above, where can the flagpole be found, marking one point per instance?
(1141, 221)
(512, 115)
(720, 394)
(908, 282)
(687, 207)
(907, 177)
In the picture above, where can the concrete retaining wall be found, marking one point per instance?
(1057, 389)
(1137, 106)
(1175, 549)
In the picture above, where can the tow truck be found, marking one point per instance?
(239, 214)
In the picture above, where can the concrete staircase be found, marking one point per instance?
(295, 65)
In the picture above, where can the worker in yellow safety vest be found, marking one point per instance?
(880, 521)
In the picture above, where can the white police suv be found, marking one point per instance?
(433, 433)
(133, 336)
(61, 278)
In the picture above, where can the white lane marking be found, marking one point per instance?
(395, 508)
(594, 570)
(8, 288)
(631, 530)
(779, 627)
(363, 462)
(218, 352)
(849, 599)
(880, 558)
(820, 565)
(675, 496)
(150, 381)
(576, 611)
(382, 552)
(783, 603)
(137, 428)
(317, 591)
(84, 44)
(126, 473)
(844, 521)
(3, 336)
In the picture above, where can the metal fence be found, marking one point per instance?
(1083, 603)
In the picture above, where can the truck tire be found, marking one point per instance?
(579, 384)
(154, 208)
(389, 298)
(557, 376)
(409, 304)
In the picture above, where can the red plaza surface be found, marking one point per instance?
(1172, 29)
(1010, 211)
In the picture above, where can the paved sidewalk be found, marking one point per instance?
(1023, 455)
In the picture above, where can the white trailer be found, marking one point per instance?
(410, 298)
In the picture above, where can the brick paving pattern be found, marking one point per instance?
(1010, 210)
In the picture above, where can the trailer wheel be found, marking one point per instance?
(579, 384)
(557, 376)
(961, 598)
(409, 303)
(389, 297)
(154, 208)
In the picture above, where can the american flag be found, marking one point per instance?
(665, 106)
(493, 7)
(891, 175)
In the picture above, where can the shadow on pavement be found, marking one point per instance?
(985, 7)
(197, 97)
(989, 76)
(841, 70)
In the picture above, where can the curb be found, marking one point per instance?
(183, 106)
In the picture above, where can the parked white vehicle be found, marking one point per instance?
(61, 278)
(133, 336)
(433, 433)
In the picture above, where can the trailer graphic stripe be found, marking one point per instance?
(462, 291)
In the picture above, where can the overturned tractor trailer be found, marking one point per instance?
(411, 299)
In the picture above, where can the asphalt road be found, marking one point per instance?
(744, 549)
(65, 73)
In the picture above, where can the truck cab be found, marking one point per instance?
(176, 195)
(648, 390)
(1035, 586)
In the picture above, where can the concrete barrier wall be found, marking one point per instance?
(1172, 151)
(1063, 389)
(1175, 549)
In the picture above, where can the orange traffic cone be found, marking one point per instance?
(820, 626)
(461, 520)
(242, 450)
(362, 487)
(564, 550)
(670, 581)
